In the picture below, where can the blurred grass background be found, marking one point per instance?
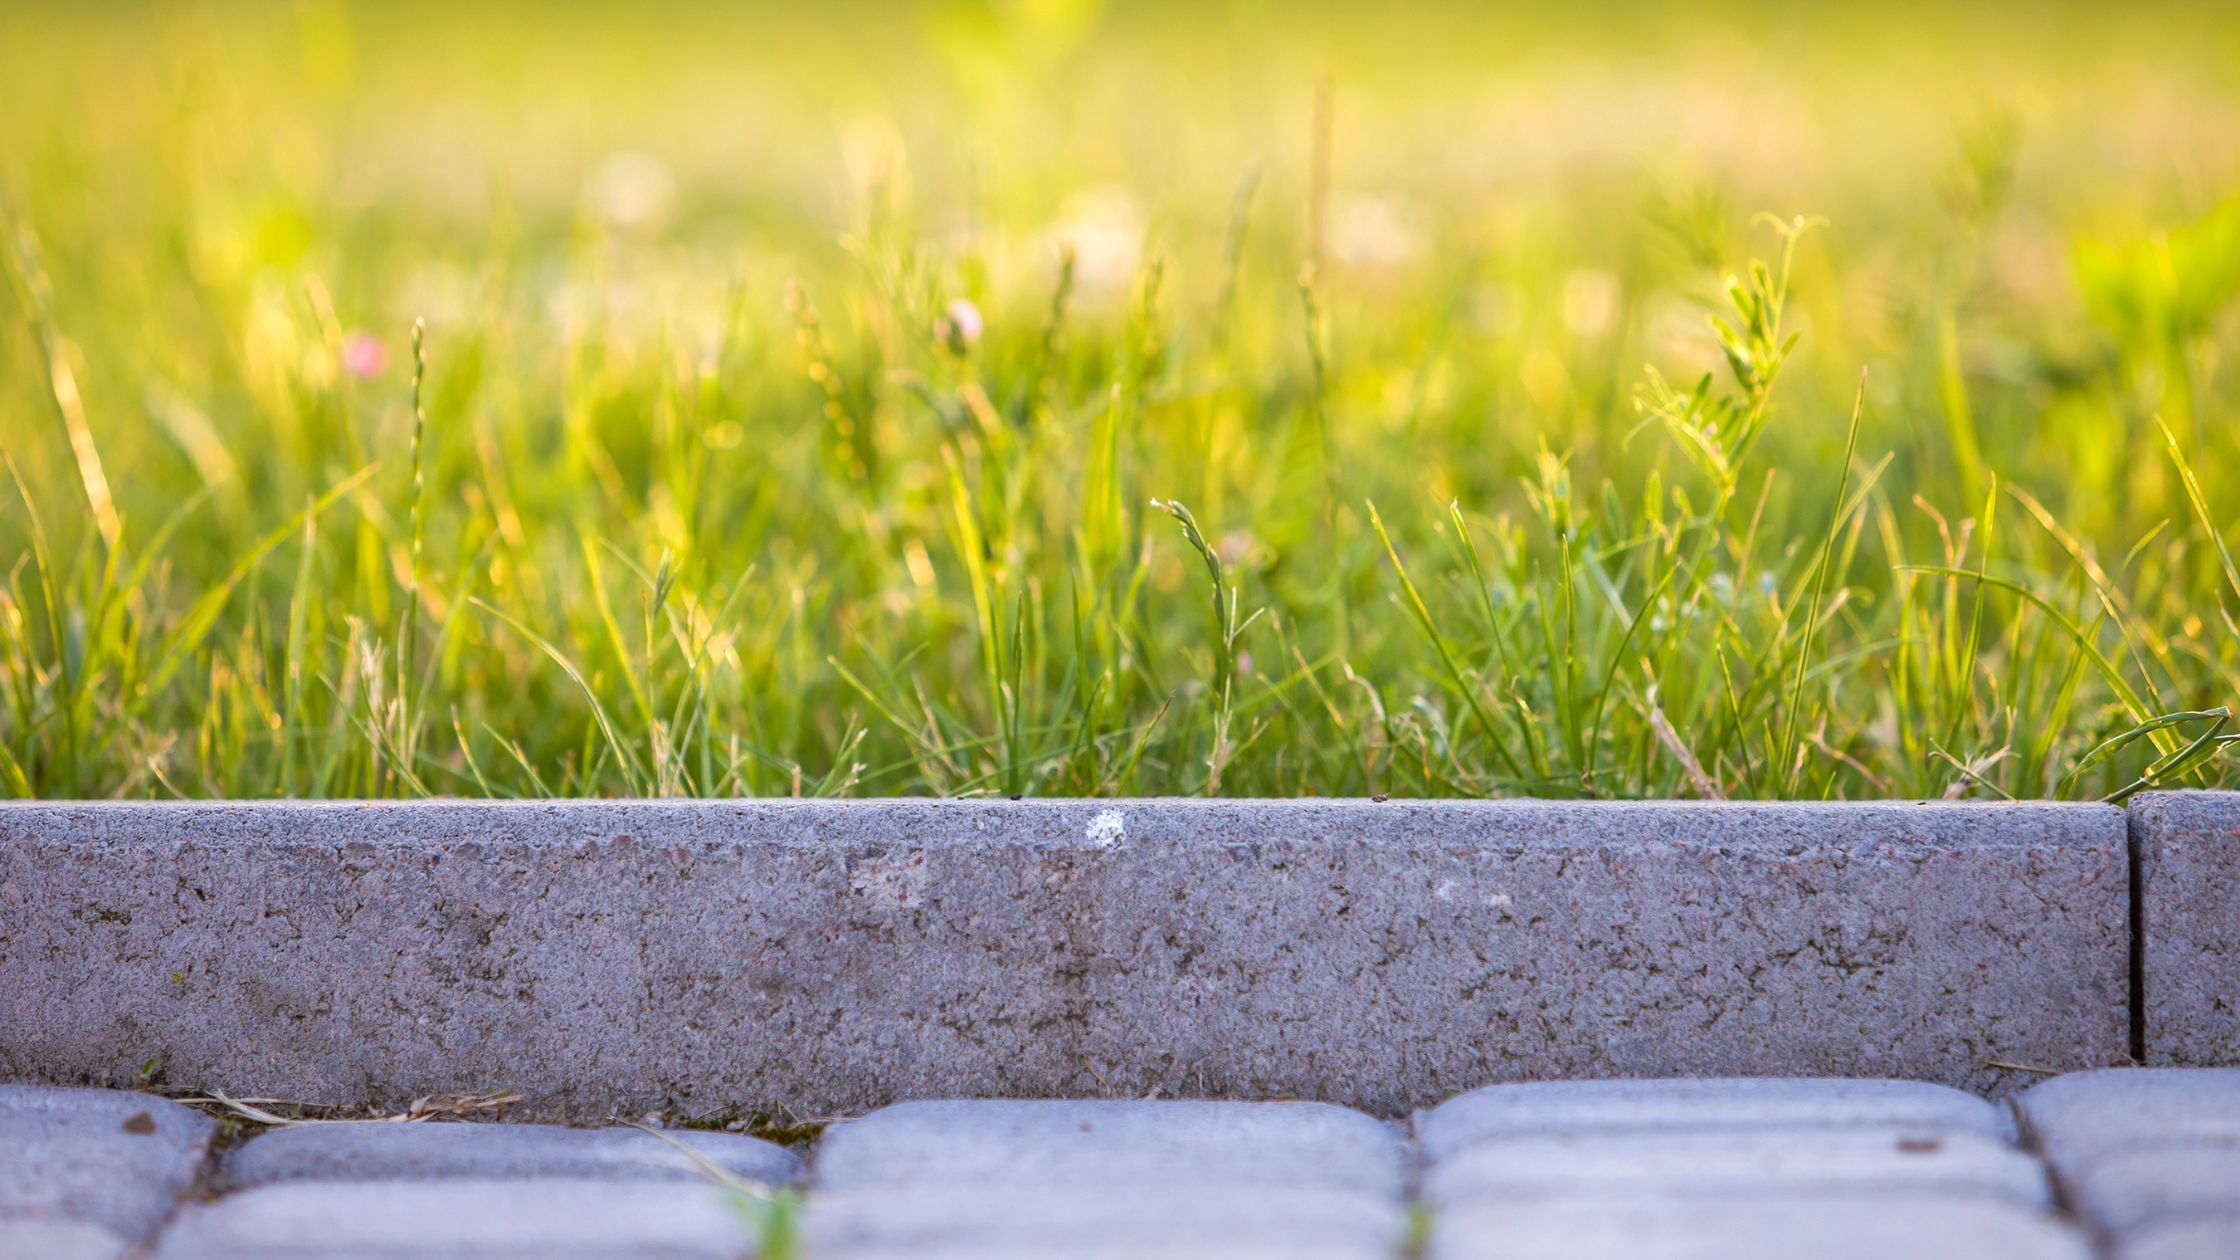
(804, 383)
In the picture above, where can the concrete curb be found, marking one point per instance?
(2186, 873)
(819, 957)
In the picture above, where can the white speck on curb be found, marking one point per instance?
(1108, 830)
(1497, 899)
(1445, 890)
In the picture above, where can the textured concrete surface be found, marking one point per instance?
(552, 1219)
(1734, 1168)
(86, 1172)
(2150, 1156)
(829, 957)
(384, 1151)
(982, 1180)
(2188, 846)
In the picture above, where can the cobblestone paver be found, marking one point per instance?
(383, 1151)
(85, 1174)
(2144, 1165)
(1154, 1180)
(462, 1219)
(1737, 1169)
(384, 1191)
(2151, 1156)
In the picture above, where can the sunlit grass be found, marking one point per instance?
(1042, 400)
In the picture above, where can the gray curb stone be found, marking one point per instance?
(89, 1172)
(827, 957)
(384, 1151)
(2188, 847)
(992, 1179)
(550, 1219)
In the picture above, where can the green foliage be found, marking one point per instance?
(1532, 482)
(772, 1220)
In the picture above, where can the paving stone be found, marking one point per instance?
(2188, 848)
(2088, 1114)
(610, 957)
(1104, 1144)
(1929, 1227)
(1768, 1162)
(2203, 1238)
(2150, 1155)
(380, 1151)
(85, 1169)
(1122, 1223)
(465, 1219)
(2130, 1190)
(1108, 1179)
(1733, 1169)
(59, 1240)
(1507, 1111)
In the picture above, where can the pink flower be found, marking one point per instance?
(960, 325)
(364, 355)
(966, 317)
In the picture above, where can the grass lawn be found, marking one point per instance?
(1042, 397)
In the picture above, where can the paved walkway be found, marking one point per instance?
(2140, 1164)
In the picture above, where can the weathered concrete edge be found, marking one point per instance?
(1067, 833)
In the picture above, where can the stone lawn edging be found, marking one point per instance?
(811, 957)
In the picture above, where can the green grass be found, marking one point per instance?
(1451, 428)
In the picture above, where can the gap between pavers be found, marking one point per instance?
(830, 957)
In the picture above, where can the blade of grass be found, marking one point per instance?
(625, 764)
(1793, 706)
(1430, 629)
